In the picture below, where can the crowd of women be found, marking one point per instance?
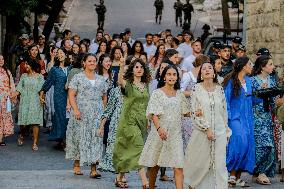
(121, 107)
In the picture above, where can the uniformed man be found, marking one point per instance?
(178, 7)
(227, 64)
(159, 5)
(236, 42)
(101, 10)
(187, 9)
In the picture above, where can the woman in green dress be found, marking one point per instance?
(30, 108)
(132, 128)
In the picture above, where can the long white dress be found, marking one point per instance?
(205, 161)
(165, 153)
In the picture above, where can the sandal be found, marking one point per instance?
(263, 179)
(145, 187)
(2, 144)
(35, 147)
(242, 183)
(20, 140)
(77, 170)
(95, 175)
(164, 178)
(120, 184)
(232, 181)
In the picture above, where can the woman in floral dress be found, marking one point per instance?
(112, 113)
(30, 108)
(7, 88)
(265, 163)
(164, 146)
(87, 96)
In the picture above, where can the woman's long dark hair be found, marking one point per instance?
(99, 48)
(129, 73)
(260, 62)
(108, 50)
(158, 74)
(132, 52)
(113, 51)
(100, 68)
(57, 62)
(162, 82)
(199, 80)
(239, 64)
(156, 56)
(6, 70)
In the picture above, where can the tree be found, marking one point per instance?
(226, 17)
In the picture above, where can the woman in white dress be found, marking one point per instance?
(164, 146)
(205, 157)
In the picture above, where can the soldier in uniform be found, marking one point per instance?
(159, 5)
(101, 10)
(187, 9)
(178, 7)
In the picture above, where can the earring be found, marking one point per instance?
(213, 75)
(201, 78)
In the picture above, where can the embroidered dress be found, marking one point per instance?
(241, 147)
(165, 153)
(132, 128)
(30, 109)
(82, 141)
(7, 87)
(112, 113)
(187, 82)
(205, 161)
(263, 132)
(57, 77)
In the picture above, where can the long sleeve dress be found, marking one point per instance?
(112, 113)
(82, 141)
(30, 109)
(241, 147)
(57, 77)
(165, 153)
(132, 129)
(7, 87)
(187, 82)
(265, 161)
(205, 161)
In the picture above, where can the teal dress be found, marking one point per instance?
(132, 129)
(30, 109)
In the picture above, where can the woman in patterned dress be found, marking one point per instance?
(88, 96)
(164, 146)
(30, 108)
(7, 88)
(265, 165)
(57, 77)
(132, 128)
(205, 156)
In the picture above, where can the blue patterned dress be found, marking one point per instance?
(82, 141)
(112, 113)
(263, 132)
(57, 77)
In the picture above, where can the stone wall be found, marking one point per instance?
(265, 28)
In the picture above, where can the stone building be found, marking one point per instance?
(264, 27)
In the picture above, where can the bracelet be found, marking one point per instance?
(158, 128)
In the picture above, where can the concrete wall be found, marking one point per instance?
(265, 28)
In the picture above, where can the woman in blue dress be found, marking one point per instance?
(57, 77)
(241, 146)
(265, 164)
